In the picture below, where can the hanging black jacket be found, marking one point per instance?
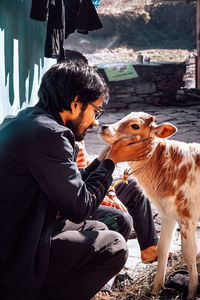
(55, 30)
(40, 10)
(38, 178)
(80, 15)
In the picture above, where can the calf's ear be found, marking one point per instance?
(163, 131)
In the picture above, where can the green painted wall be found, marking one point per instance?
(22, 61)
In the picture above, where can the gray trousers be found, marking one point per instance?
(84, 257)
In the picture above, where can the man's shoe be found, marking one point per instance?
(149, 254)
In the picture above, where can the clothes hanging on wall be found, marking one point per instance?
(53, 12)
(63, 18)
(87, 19)
(72, 8)
(55, 30)
(40, 10)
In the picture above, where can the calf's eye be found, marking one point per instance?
(135, 126)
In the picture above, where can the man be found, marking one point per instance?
(41, 256)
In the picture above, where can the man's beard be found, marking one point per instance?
(76, 127)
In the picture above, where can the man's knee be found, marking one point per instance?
(125, 224)
(129, 225)
(115, 219)
(97, 225)
(117, 250)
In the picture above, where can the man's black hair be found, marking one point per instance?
(64, 81)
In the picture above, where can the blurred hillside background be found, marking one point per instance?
(162, 31)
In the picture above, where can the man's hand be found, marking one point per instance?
(130, 149)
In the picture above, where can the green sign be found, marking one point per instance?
(119, 71)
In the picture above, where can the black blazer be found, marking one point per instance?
(38, 178)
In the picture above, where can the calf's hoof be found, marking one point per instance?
(191, 296)
(157, 288)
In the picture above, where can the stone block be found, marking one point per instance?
(145, 88)
(116, 104)
(132, 105)
(152, 100)
(125, 95)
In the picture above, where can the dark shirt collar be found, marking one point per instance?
(54, 114)
(57, 117)
(59, 120)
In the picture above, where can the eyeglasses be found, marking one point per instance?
(99, 112)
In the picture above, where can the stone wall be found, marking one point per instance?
(156, 83)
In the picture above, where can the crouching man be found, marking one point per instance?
(41, 255)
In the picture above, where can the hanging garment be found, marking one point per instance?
(88, 19)
(63, 18)
(52, 11)
(81, 16)
(55, 29)
(72, 8)
(40, 10)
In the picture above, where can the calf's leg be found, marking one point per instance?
(188, 246)
(167, 230)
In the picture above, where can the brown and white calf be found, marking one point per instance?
(170, 178)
